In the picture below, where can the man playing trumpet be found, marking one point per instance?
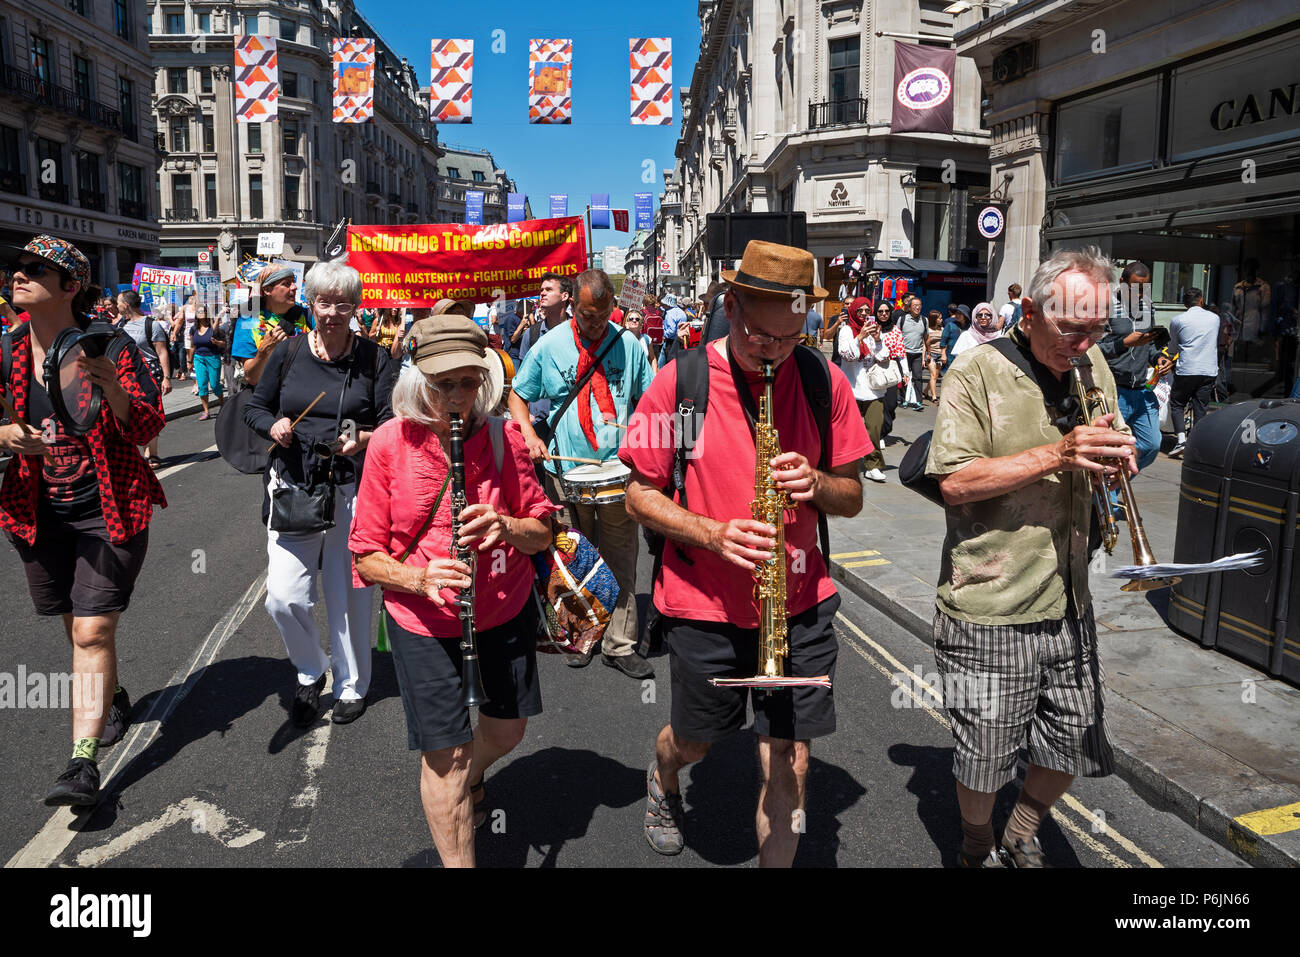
(1013, 610)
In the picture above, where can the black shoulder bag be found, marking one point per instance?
(308, 508)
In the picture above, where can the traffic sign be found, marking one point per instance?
(205, 257)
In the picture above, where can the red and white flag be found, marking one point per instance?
(620, 219)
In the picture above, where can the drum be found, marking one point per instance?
(596, 484)
(496, 387)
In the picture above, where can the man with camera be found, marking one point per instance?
(76, 507)
(1129, 353)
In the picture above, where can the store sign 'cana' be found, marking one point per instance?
(257, 79)
(451, 81)
(354, 80)
(652, 81)
(550, 81)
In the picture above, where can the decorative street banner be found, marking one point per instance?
(159, 285)
(620, 219)
(418, 265)
(515, 207)
(550, 81)
(922, 89)
(559, 205)
(451, 81)
(645, 210)
(474, 207)
(600, 210)
(257, 79)
(652, 81)
(354, 79)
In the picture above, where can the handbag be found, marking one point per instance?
(883, 375)
(308, 508)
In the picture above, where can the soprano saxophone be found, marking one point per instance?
(471, 681)
(769, 505)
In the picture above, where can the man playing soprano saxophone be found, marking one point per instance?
(706, 590)
(1013, 620)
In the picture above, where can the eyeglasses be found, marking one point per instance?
(763, 339)
(338, 308)
(36, 268)
(466, 384)
(1076, 339)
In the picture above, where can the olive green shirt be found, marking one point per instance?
(1008, 560)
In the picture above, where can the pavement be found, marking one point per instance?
(181, 402)
(1196, 732)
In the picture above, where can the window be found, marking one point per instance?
(210, 195)
(1109, 132)
(453, 172)
(88, 173)
(478, 176)
(289, 84)
(178, 80)
(209, 133)
(255, 196)
(180, 136)
(49, 152)
(288, 30)
(130, 190)
(844, 72)
(182, 194)
(933, 221)
(175, 23)
(205, 23)
(41, 58)
(291, 193)
(10, 153)
(205, 79)
(81, 77)
(290, 139)
(254, 137)
(122, 18)
(77, 6)
(126, 100)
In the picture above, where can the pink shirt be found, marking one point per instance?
(404, 469)
(720, 484)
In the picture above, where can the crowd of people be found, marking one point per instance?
(389, 469)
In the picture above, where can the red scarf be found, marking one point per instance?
(586, 359)
(854, 322)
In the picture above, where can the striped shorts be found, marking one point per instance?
(1005, 683)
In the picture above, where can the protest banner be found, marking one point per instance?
(419, 264)
(160, 285)
(632, 296)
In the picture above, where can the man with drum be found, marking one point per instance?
(606, 373)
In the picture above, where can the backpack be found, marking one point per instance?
(692, 403)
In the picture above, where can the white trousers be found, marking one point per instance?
(291, 594)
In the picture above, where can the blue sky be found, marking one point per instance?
(600, 151)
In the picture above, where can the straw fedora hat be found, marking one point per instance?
(771, 269)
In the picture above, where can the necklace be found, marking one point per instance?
(318, 347)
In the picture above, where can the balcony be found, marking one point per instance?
(54, 192)
(729, 127)
(182, 214)
(374, 191)
(717, 152)
(13, 182)
(413, 207)
(850, 112)
(132, 209)
(293, 214)
(91, 199)
(31, 87)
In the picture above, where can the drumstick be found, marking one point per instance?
(297, 420)
(617, 425)
(574, 458)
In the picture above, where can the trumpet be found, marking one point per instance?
(1092, 404)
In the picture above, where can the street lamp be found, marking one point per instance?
(961, 6)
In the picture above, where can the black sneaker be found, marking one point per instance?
(77, 786)
(581, 661)
(119, 719)
(306, 703)
(633, 665)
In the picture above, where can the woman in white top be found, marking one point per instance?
(985, 325)
(861, 346)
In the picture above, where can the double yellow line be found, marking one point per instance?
(1080, 828)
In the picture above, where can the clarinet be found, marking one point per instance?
(471, 681)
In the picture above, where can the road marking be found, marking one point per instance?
(194, 459)
(937, 695)
(295, 822)
(58, 832)
(204, 818)
(1273, 820)
(864, 564)
(836, 558)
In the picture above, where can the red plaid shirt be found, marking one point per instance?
(128, 489)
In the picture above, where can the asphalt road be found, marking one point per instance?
(223, 779)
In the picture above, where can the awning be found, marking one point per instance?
(927, 265)
(182, 252)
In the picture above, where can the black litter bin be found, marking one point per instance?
(1240, 491)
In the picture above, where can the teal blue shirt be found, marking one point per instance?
(550, 371)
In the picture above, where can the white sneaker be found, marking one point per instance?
(876, 475)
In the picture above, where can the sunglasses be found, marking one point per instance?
(466, 384)
(36, 268)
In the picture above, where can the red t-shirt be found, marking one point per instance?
(720, 484)
(404, 469)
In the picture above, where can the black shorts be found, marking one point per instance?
(73, 567)
(700, 650)
(429, 677)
